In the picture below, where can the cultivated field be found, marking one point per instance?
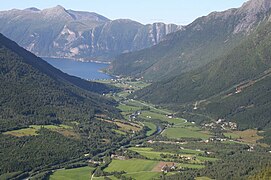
(33, 131)
(152, 127)
(180, 132)
(131, 165)
(149, 153)
(144, 175)
(83, 173)
(249, 136)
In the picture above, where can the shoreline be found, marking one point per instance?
(76, 59)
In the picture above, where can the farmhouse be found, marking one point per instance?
(166, 168)
(114, 156)
(170, 116)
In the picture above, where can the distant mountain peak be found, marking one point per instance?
(57, 9)
(57, 12)
(60, 32)
(32, 9)
(252, 12)
(256, 6)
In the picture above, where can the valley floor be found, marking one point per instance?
(172, 146)
(161, 145)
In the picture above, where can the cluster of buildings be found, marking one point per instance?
(168, 168)
(134, 115)
(221, 123)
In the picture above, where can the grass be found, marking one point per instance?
(231, 135)
(119, 132)
(103, 178)
(124, 126)
(128, 108)
(152, 127)
(144, 175)
(162, 117)
(127, 126)
(22, 132)
(190, 151)
(149, 153)
(131, 165)
(82, 173)
(33, 130)
(181, 132)
(176, 121)
(249, 136)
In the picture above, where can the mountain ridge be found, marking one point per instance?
(199, 43)
(57, 32)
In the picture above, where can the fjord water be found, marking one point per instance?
(85, 70)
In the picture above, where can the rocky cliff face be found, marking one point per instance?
(57, 32)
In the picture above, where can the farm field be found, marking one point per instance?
(82, 173)
(162, 117)
(249, 136)
(33, 130)
(131, 165)
(149, 153)
(103, 178)
(152, 127)
(127, 108)
(190, 151)
(144, 175)
(124, 126)
(140, 169)
(127, 127)
(119, 132)
(181, 132)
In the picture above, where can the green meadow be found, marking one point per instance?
(33, 129)
(82, 173)
(152, 127)
(131, 165)
(180, 132)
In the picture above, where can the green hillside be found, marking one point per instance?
(32, 92)
(248, 63)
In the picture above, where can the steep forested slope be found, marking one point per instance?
(248, 66)
(32, 92)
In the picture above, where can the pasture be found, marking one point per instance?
(82, 173)
(249, 136)
(131, 165)
(152, 128)
(33, 130)
(180, 132)
(143, 175)
(149, 153)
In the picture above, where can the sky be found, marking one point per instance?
(180, 12)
